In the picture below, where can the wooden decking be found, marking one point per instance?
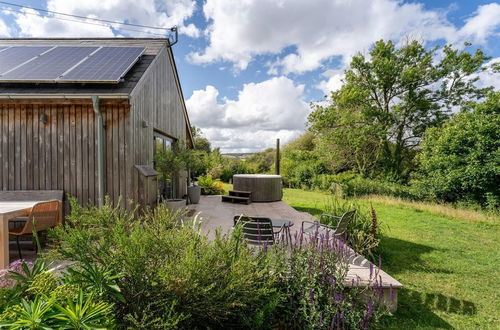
(214, 214)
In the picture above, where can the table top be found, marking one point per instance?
(281, 223)
(7, 208)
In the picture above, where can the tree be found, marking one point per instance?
(200, 142)
(461, 159)
(390, 98)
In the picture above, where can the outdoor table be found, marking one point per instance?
(10, 210)
(286, 224)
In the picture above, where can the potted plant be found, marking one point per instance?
(193, 162)
(168, 163)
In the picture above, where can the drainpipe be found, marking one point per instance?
(100, 151)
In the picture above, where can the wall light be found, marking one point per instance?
(43, 118)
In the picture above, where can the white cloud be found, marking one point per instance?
(333, 82)
(144, 12)
(483, 24)
(262, 112)
(317, 30)
(489, 78)
(4, 29)
(33, 25)
(235, 140)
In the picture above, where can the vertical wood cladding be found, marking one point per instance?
(156, 102)
(61, 153)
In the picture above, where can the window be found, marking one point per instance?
(160, 143)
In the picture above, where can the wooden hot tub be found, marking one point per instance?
(264, 187)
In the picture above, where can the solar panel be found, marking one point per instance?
(108, 64)
(14, 56)
(50, 65)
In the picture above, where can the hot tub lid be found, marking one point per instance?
(257, 176)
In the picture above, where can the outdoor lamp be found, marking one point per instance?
(43, 118)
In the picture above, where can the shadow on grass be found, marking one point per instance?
(416, 309)
(398, 255)
(311, 210)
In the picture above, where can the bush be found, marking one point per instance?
(38, 299)
(460, 161)
(316, 295)
(359, 186)
(209, 186)
(171, 276)
(364, 229)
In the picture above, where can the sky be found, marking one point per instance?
(250, 69)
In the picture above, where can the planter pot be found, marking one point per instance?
(174, 205)
(194, 193)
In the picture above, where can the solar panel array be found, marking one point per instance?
(108, 63)
(66, 64)
(15, 56)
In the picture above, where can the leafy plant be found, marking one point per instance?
(84, 313)
(35, 314)
(98, 279)
(28, 272)
(362, 231)
(210, 186)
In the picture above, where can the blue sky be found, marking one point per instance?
(249, 69)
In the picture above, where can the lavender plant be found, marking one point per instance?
(318, 295)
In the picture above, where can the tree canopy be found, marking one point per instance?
(461, 159)
(389, 99)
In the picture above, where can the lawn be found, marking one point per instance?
(449, 266)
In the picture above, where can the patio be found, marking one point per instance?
(215, 214)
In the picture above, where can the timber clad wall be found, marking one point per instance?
(61, 154)
(155, 100)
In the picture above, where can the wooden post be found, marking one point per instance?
(277, 164)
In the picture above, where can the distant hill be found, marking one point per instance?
(240, 155)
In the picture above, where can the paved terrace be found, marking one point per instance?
(215, 214)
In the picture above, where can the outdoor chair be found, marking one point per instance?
(258, 230)
(43, 215)
(317, 228)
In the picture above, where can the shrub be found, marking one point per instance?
(172, 276)
(209, 186)
(364, 229)
(460, 161)
(313, 283)
(41, 300)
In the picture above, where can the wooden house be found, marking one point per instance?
(86, 115)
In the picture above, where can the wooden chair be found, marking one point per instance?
(321, 229)
(257, 230)
(43, 215)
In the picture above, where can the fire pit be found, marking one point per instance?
(264, 187)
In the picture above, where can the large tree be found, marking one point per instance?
(461, 159)
(392, 96)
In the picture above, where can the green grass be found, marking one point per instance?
(449, 267)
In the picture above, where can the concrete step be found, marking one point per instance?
(240, 193)
(236, 199)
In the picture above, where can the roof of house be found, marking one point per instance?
(152, 48)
